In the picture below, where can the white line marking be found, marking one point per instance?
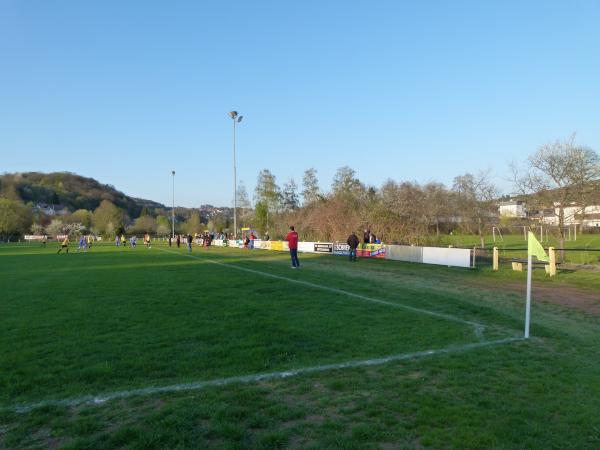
(102, 398)
(478, 327)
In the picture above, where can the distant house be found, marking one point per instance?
(52, 210)
(512, 208)
(573, 215)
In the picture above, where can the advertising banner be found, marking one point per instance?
(306, 247)
(323, 247)
(370, 251)
(236, 244)
(279, 245)
(341, 249)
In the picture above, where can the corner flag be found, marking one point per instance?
(534, 248)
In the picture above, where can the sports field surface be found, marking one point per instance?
(228, 348)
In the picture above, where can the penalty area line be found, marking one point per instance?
(252, 378)
(478, 327)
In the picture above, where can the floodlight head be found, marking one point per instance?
(172, 172)
(240, 119)
(233, 114)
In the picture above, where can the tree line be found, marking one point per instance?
(553, 177)
(556, 176)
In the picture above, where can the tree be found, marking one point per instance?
(310, 183)
(261, 217)
(108, 219)
(163, 226)
(289, 197)
(15, 218)
(220, 222)
(74, 229)
(560, 174)
(474, 199)
(9, 191)
(82, 216)
(37, 229)
(437, 204)
(144, 224)
(345, 182)
(55, 227)
(268, 195)
(244, 206)
(193, 224)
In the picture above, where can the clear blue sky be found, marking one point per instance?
(124, 91)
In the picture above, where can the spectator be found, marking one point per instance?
(292, 239)
(366, 236)
(189, 242)
(251, 238)
(353, 244)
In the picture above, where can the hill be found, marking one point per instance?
(70, 191)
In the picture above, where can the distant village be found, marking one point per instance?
(587, 217)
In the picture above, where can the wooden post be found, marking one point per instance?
(552, 255)
(495, 263)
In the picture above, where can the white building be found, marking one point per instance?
(513, 208)
(575, 215)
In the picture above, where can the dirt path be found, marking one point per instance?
(567, 296)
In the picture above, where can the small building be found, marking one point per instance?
(512, 208)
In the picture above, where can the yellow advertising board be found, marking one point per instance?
(278, 245)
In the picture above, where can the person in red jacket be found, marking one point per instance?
(292, 239)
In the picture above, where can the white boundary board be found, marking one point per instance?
(459, 257)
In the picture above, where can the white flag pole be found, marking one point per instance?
(528, 303)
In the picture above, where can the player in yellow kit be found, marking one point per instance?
(65, 245)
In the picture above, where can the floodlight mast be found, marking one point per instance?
(236, 119)
(173, 207)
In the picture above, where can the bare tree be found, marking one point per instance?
(244, 205)
(289, 196)
(559, 175)
(474, 200)
(437, 205)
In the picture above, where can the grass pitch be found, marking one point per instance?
(117, 320)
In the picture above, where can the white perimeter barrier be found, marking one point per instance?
(404, 253)
(457, 257)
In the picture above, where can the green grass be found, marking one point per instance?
(511, 246)
(119, 319)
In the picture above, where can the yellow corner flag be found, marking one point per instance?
(534, 248)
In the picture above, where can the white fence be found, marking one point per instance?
(456, 257)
